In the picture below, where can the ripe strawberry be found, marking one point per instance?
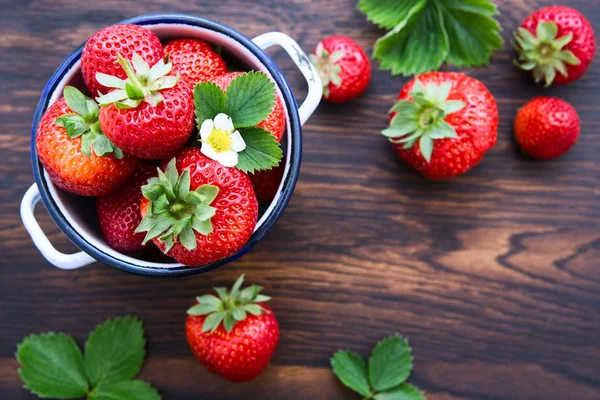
(234, 334)
(266, 182)
(198, 211)
(194, 60)
(75, 153)
(101, 50)
(151, 114)
(274, 123)
(119, 212)
(452, 117)
(343, 66)
(546, 127)
(555, 39)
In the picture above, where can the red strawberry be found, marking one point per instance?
(546, 127)
(266, 182)
(234, 334)
(119, 212)
(194, 60)
(101, 50)
(343, 66)
(198, 211)
(275, 122)
(151, 114)
(555, 39)
(443, 124)
(75, 153)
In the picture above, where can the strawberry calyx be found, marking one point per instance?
(544, 53)
(328, 66)
(84, 123)
(423, 119)
(175, 212)
(229, 307)
(143, 84)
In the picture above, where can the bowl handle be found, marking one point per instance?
(55, 257)
(315, 87)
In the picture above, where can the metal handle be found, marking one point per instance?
(315, 87)
(55, 257)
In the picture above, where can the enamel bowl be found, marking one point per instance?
(76, 217)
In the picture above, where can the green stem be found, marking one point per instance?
(130, 73)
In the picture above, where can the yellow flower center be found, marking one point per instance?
(220, 140)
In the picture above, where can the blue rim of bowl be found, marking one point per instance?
(288, 186)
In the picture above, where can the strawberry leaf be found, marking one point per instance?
(249, 99)
(423, 34)
(52, 366)
(262, 150)
(405, 391)
(115, 351)
(209, 100)
(390, 363)
(351, 370)
(125, 390)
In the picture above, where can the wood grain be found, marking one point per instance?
(493, 276)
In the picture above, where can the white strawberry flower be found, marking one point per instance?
(221, 141)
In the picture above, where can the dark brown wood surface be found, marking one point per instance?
(493, 276)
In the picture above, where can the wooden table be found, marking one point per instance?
(494, 276)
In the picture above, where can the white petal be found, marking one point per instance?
(222, 121)
(228, 158)
(206, 128)
(208, 151)
(238, 143)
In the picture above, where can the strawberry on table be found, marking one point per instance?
(234, 334)
(443, 124)
(150, 114)
(101, 51)
(343, 66)
(198, 211)
(275, 120)
(76, 154)
(194, 60)
(119, 212)
(546, 127)
(557, 44)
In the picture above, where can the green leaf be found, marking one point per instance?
(212, 322)
(171, 173)
(228, 321)
(73, 124)
(235, 289)
(163, 223)
(52, 366)
(203, 212)
(153, 191)
(160, 205)
(209, 100)
(209, 192)
(262, 150)
(405, 391)
(183, 183)
(415, 45)
(206, 304)
(423, 34)
(222, 292)
(77, 101)
(125, 390)
(134, 92)
(165, 181)
(115, 351)
(390, 363)
(249, 99)
(203, 227)
(351, 370)
(86, 143)
(473, 34)
(102, 146)
(238, 314)
(253, 309)
(187, 238)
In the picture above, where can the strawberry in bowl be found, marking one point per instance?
(155, 97)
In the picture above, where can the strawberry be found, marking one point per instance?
(119, 212)
(266, 182)
(343, 66)
(101, 50)
(150, 114)
(75, 153)
(452, 117)
(234, 334)
(198, 211)
(275, 122)
(546, 127)
(555, 39)
(194, 60)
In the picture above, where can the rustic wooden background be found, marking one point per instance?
(494, 276)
